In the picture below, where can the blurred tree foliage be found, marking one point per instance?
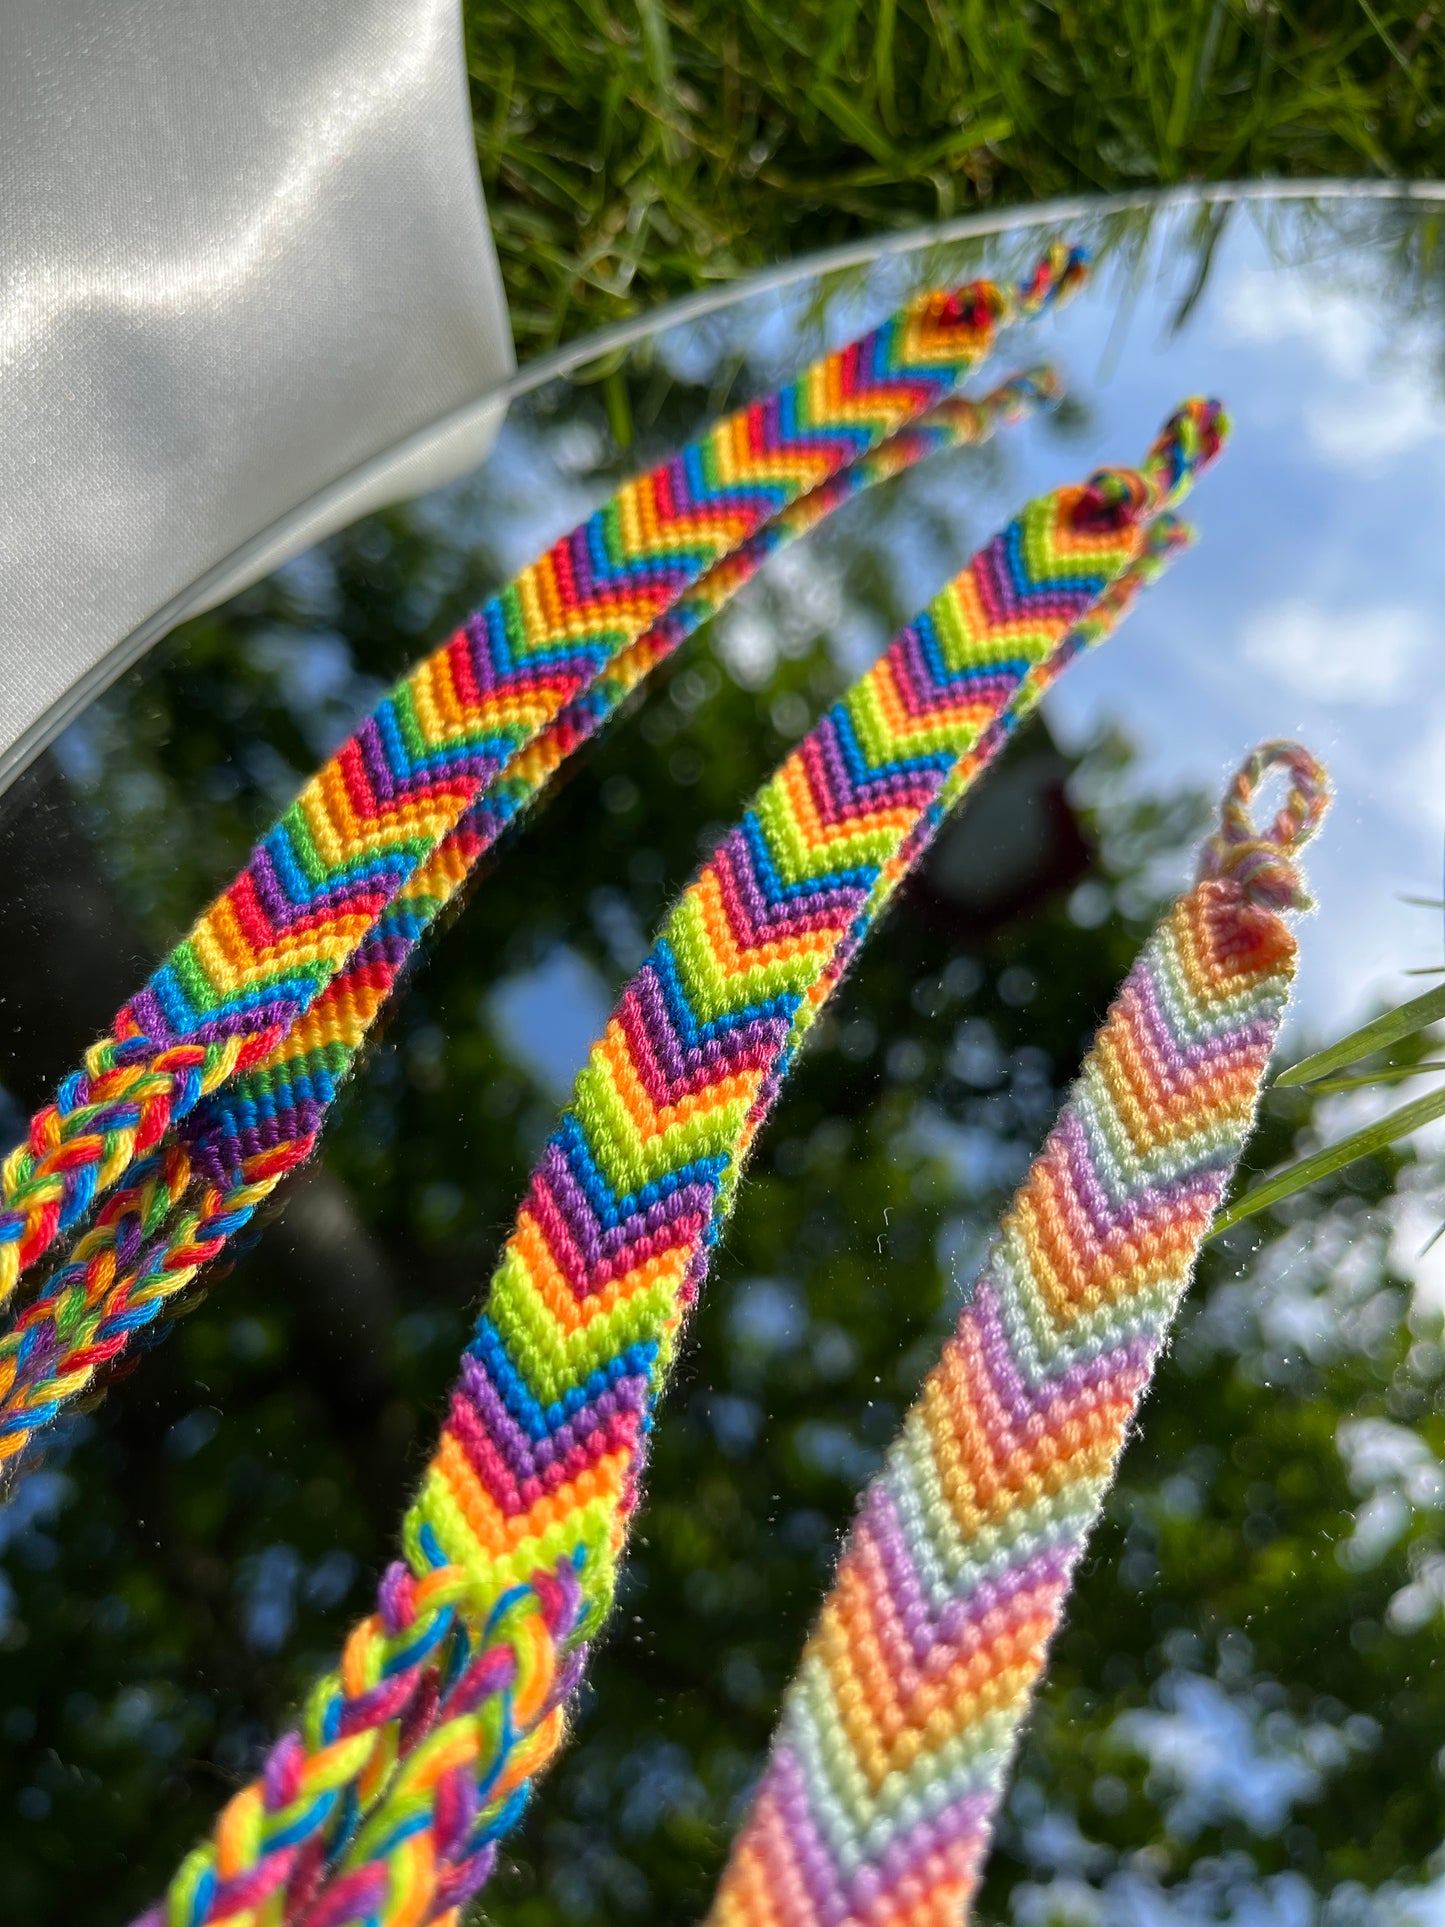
(633, 149)
(1247, 1707)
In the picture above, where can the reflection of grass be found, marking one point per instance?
(635, 149)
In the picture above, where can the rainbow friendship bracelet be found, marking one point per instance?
(416, 1755)
(317, 884)
(182, 1203)
(889, 1761)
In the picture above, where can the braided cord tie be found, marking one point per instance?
(1264, 861)
(415, 1756)
(373, 816)
(889, 1761)
(236, 1145)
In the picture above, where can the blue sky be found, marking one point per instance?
(1310, 608)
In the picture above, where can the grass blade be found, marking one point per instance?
(1389, 1029)
(1307, 1171)
(1391, 1074)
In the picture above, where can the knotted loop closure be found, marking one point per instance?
(1115, 498)
(1263, 862)
(980, 306)
(1059, 273)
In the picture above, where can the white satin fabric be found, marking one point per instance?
(244, 267)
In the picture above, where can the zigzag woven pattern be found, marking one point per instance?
(890, 1758)
(364, 826)
(154, 1231)
(416, 1755)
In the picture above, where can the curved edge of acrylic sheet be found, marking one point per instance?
(246, 286)
(458, 434)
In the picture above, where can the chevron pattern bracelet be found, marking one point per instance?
(416, 1754)
(878, 1799)
(262, 1010)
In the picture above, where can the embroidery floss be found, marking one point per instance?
(416, 1755)
(889, 1761)
(258, 958)
(182, 1204)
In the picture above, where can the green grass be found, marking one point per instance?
(632, 151)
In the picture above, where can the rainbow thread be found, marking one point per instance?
(415, 1756)
(181, 1204)
(887, 1767)
(363, 827)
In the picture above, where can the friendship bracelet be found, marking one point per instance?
(878, 1799)
(416, 1755)
(182, 1204)
(363, 827)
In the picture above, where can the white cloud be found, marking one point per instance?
(1418, 770)
(1378, 406)
(1372, 425)
(1272, 306)
(1368, 655)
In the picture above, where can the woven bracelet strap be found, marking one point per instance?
(416, 1755)
(182, 1204)
(317, 883)
(896, 1736)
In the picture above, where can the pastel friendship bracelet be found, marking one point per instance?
(878, 1799)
